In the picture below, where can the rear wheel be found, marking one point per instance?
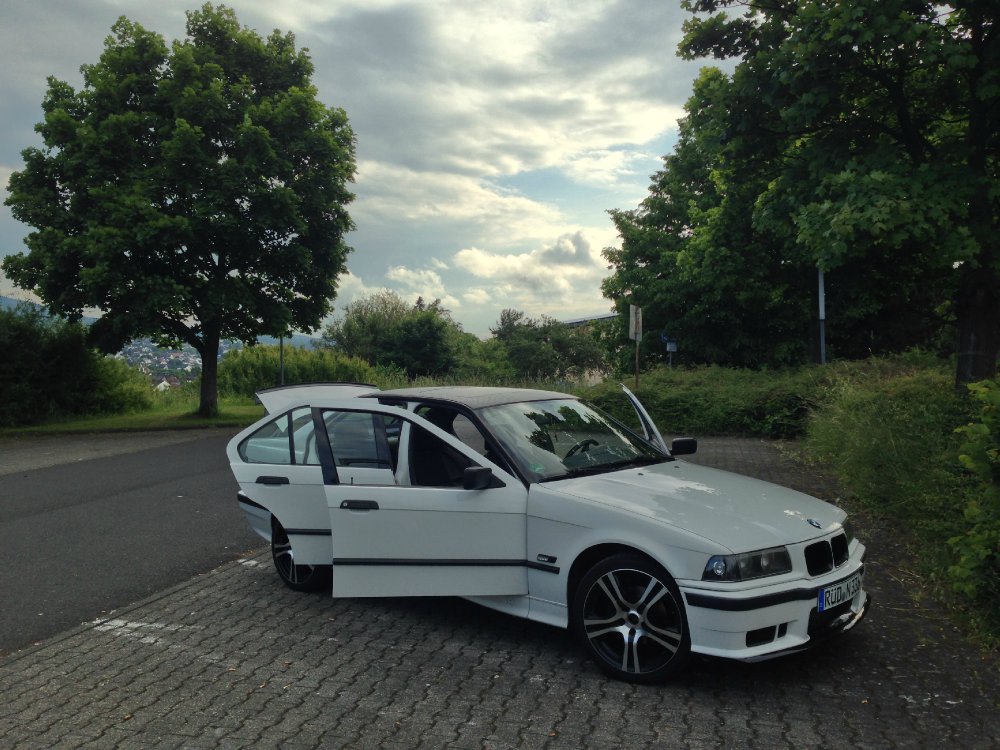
(628, 614)
(298, 577)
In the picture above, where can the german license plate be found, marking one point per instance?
(831, 596)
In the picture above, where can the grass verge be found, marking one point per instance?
(172, 415)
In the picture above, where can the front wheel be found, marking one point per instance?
(628, 614)
(298, 577)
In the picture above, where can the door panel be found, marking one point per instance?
(299, 505)
(408, 540)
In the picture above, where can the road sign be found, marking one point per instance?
(634, 322)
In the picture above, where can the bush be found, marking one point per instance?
(51, 372)
(893, 442)
(976, 572)
(718, 400)
(245, 371)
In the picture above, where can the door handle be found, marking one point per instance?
(272, 480)
(359, 505)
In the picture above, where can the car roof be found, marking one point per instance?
(472, 397)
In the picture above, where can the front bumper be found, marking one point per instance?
(764, 622)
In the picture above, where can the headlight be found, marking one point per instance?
(767, 562)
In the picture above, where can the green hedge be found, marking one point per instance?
(718, 400)
(243, 372)
(48, 372)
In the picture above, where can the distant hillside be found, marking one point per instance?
(299, 339)
(8, 303)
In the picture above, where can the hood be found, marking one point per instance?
(738, 512)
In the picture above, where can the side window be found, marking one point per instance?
(455, 423)
(359, 439)
(434, 463)
(288, 439)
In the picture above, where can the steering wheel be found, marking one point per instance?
(583, 446)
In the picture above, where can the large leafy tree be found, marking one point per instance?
(717, 268)
(692, 260)
(887, 114)
(193, 193)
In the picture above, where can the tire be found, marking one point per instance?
(297, 577)
(628, 614)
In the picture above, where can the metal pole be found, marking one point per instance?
(281, 359)
(822, 318)
(637, 364)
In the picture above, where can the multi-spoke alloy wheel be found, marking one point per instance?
(298, 577)
(628, 614)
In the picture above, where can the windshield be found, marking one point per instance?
(565, 437)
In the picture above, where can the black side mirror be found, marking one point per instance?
(683, 446)
(479, 478)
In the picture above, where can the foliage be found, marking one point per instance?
(893, 439)
(52, 373)
(192, 193)
(714, 400)
(887, 118)
(977, 569)
(382, 329)
(546, 349)
(243, 372)
(860, 137)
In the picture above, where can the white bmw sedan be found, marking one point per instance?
(535, 504)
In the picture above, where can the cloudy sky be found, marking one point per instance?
(492, 137)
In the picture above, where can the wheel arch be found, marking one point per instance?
(589, 557)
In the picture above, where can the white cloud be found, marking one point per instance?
(452, 102)
(561, 279)
(393, 192)
(425, 284)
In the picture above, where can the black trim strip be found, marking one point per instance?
(309, 532)
(542, 567)
(706, 601)
(242, 498)
(395, 562)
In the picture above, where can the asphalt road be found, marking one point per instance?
(80, 539)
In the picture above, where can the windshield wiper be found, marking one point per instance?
(584, 471)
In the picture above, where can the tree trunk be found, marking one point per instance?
(978, 312)
(209, 406)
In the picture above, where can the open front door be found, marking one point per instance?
(649, 429)
(424, 534)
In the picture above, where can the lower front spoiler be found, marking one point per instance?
(841, 625)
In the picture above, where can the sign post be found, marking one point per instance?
(671, 347)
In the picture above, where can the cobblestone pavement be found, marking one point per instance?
(234, 659)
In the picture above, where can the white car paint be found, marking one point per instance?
(521, 539)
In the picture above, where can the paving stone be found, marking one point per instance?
(235, 660)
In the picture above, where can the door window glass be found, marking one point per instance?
(361, 439)
(434, 463)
